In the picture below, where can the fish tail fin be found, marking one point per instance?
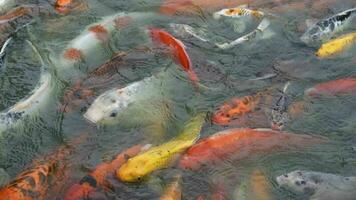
(192, 128)
(286, 87)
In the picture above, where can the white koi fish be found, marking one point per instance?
(324, 30)
(319, 186)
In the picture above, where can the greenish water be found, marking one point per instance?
(227, 74)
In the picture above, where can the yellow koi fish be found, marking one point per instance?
(336, 46)
(159, 157)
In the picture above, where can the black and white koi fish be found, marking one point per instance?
(324, 30)
(319, 186)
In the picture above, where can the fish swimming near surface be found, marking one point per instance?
(259, 32)
(36, 182)
(256, 188)
(97, 179)
(173, 190)
(237, 107)
(324, 30)
(159, 157)
(35, 101)
(335, 87)
(239, 144)
(178, 50)
(336, 46)
(239, 12)
(318, 185)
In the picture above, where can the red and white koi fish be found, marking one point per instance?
(35, 183)
(98, 178)
(239, 12)
(178, 50)
(334, 87)
(238, 144)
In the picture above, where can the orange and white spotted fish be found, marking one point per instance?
(91, 45)
(239, 12)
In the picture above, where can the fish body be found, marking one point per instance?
(159, 157)
(336, 46)
(98, 178)
(279, 111)
(236, 107)
(256, 188)
(29, 105)
(178, 50)
(324, 30)
(173, 190)
(239, 12)
(334, 87)
(319, 186)
(239, 144)
(184, 30)
(35, 183)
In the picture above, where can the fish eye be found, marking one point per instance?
(113, 114)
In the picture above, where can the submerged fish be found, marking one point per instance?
(29, 105)
(319, 186)
(178, 50)
(334, 87)
(159, 157)
(239, 12)
(279, 111)
(98, 178)
(5, 5)
(238, 144)
(336, 46)
(184, 30)
(256, 188)
(173, 190)
(260, 31)
(35, 183)
(236, 107)
(3, 51)
(324, 30)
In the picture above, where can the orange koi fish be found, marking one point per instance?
(238, 144)
(334, 87)
(97, 178)
(65, 6)
(35, 183)
(178, 50)
(236, 107)
(15, 13)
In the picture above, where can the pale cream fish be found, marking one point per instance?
(319, 186)
(184, 30)
(260, 32)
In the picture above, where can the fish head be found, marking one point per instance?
(312, 36)
(134, 170)
(300, 181)
(106, 109)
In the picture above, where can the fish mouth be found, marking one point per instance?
(91, 117)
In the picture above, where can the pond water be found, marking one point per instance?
(264, 63)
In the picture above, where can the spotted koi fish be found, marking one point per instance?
(239, 12)
(35, 183)
(98, 178)
(236, 107)
(324, 30)
(332, 88)
(239, 144)
(336, 46)
(178, 51)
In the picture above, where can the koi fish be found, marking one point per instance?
(35, 183)
(173, 191)
(239, 12)
(90, 45)
(65, 6)
(279, 111)
(98, 178)
(31, 104)
(239, 144)
(185, 30)
(319, 186)
(259, 31)
(159, 157)
(178, 50)
(236, 107)
(3, 51)
(15, 13)
(334, 87)
(336, 46)
(324, 30)
(256, 188)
